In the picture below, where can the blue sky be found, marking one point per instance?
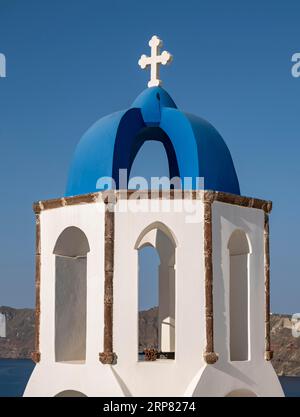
(71, 62)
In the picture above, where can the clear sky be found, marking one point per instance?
(71, 62)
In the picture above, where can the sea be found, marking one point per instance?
(14, 375)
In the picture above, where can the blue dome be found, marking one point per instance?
(193, 146)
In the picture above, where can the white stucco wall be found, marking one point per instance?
(256, 375)
(226, 219)
(167, 377)
(187, 374)
(49, 377)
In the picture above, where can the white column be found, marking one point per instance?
(166, 315)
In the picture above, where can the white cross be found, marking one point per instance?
(155, 60)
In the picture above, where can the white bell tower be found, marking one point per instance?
(214, 272)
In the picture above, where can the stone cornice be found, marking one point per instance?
(112, 196)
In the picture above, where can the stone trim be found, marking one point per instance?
(110, 198)
(108, 356)
(209, 355)
(268, 351)
(205, 196)
(65, 201)
(237, 200)
(36, 355)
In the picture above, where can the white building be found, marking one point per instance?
(2, 325)
(213, 245)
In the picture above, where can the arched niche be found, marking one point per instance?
(159, 236)
(70, 393)
(241, 393)
(239, 250)
(70, 252)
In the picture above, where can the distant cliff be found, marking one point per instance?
(148, 329)
(286, 348)
(19, 342)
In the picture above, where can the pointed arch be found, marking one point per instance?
(160, 237)
(151, 231)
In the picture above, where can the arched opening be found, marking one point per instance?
(70, 393)
(148, 153)
(241, 393)
(156, 256)
(70, 295)
(148, 260)
(150, 161)
(239, 250)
